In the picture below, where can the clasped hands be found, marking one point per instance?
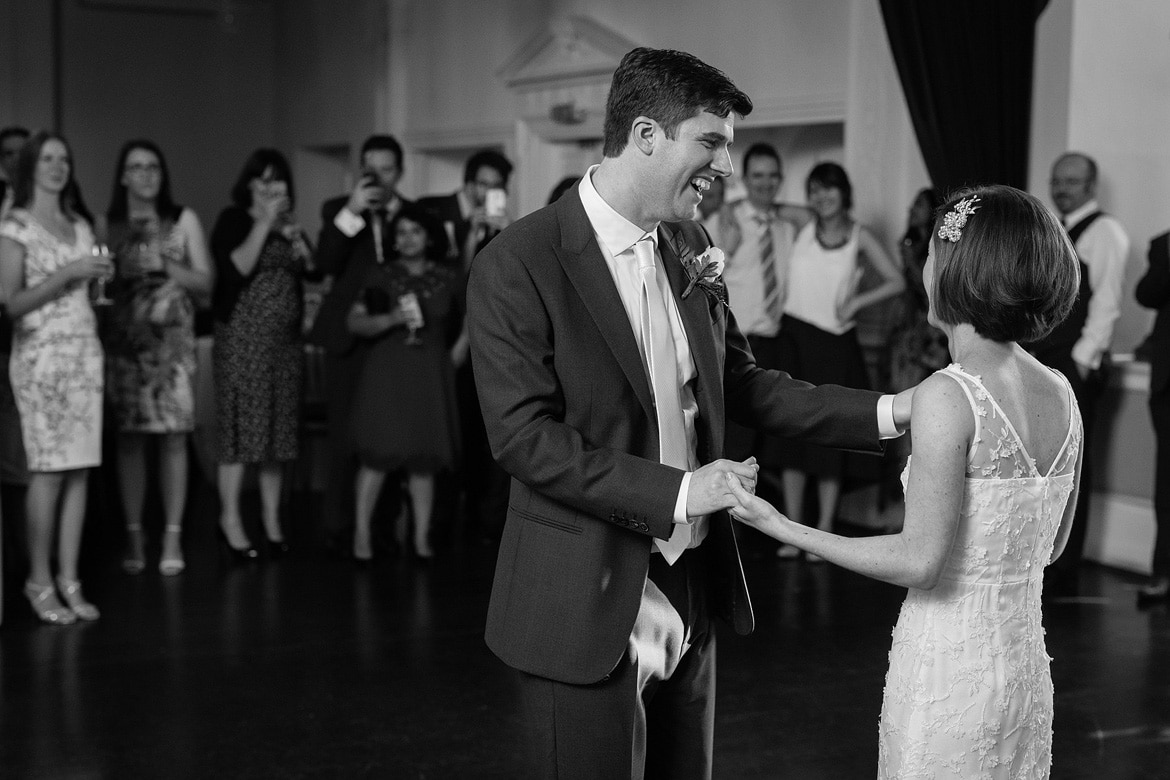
(729, 485)
(710, 489)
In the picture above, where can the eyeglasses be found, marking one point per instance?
(143, 168)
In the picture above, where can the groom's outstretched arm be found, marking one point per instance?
(541, 426)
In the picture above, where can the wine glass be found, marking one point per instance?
(100, 297)
(414, 322)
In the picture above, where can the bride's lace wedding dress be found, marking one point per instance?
(969, 691)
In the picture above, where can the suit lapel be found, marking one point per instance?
(696, 318)
(586, 268)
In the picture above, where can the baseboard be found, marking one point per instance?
(1121, 532)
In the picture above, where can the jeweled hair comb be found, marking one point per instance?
(956, 219)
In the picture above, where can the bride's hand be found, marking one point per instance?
(751, 509)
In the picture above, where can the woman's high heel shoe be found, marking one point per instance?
(277, 549)
(239, 555)
(70, 590)
(172, 564)
(44, 603)
(134, 562)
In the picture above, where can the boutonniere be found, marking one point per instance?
(705, 272)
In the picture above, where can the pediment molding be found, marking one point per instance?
(572, 51)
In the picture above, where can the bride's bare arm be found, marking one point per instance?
(942, 427)
(1070, 509)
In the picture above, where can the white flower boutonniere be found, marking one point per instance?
(706, 273)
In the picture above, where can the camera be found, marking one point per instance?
(495, 202)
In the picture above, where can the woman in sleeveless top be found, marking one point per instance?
(46, 264)
(990, 491)
(163, 265)
(818, 333)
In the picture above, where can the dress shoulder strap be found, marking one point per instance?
(955, 373)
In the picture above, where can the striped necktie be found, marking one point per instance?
(768, 268)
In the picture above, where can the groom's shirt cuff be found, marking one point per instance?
(680, 504)
(887, 428)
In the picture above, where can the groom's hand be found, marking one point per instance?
(710, 492)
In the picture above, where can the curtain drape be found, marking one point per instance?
(966, 71)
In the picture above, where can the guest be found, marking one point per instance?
(11, 141)
(760, 234)
(990, 501)
(13, 466)
(1153, 291)
(355, 238)
(163, 268)
(404, 408)
(470, 228)
(47, 259)
(917, 349)
(464, 213)
(261, 255)
(1079, 346)
(819, 333)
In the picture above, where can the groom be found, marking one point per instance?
(604, 389)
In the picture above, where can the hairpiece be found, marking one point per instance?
(956, 219)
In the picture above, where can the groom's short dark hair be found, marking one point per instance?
(669, 87)
(1012, 273)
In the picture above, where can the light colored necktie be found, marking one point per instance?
(769, 270)
(660, 356)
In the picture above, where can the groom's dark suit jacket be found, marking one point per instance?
(570, 415)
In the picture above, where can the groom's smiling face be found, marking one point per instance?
(686, 165)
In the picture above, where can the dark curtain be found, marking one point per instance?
(966, 71)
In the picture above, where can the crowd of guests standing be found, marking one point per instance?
(400, 391)
(100, 330)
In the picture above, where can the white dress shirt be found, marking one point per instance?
(1104, 249)
(744, 275)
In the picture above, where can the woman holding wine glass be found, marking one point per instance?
(404, 412)
(47, 261)
(163, 266)
(261, 257)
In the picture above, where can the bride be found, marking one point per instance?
(990, 491)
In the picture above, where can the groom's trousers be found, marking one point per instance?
(653, 716)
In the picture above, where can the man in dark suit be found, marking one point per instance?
(470, 226)
(605, 385)
(354, 239)
(1153, 291)
(465, 213)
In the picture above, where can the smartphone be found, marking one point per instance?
(370, 179)
(495, 202)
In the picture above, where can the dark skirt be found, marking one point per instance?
(820, 358)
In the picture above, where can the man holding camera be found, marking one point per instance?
(477, 212)
(354, 238)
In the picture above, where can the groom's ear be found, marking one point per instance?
(644, 134)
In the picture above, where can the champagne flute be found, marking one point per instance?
(100, 297)
(414, 321)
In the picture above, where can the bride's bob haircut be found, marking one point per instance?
(1009, 269)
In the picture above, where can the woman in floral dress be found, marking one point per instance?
(261, 256)
(163, 266)
(47, 260)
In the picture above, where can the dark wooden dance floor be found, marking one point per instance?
(310, 667)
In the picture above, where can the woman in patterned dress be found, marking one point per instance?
(404, 414)
(261, 256)
(46, 264)
(163, 266)
(990, 496)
